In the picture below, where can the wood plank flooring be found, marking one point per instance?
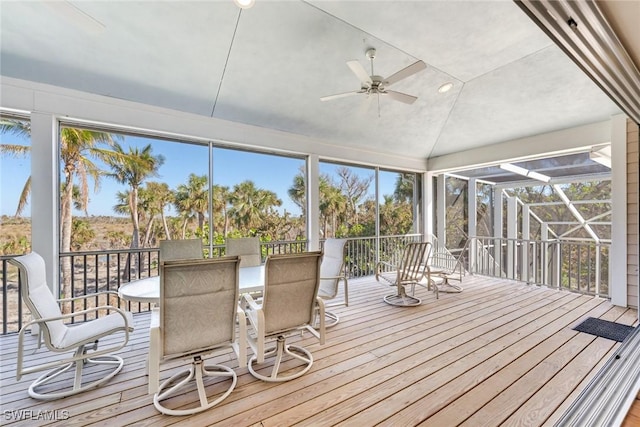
(499, 353)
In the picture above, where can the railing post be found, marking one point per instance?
(525, 244)
(544, 234)
(557, 265)
(512, 234)
(597, 262)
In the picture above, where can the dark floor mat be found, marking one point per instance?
(603, 328)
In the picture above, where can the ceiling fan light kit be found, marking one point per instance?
(372, 84)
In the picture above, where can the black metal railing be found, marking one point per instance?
(96, 271)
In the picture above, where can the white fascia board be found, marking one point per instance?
(565, 141)
(76, 105)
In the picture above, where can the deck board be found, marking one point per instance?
(499, 353)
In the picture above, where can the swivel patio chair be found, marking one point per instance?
(411, 271)
(288, 307)
(60, 337)
(197, 316)
(247, 249)
(180, 249)
(444, 267)
(332, 272)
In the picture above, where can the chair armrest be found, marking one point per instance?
(21, 371)
(385, 263)
(333, 277)
(78, 313)
(96, 294)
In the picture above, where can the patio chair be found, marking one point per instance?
(412, 270)
(332, 272)
(197, 316)
(180, 249)
(289, 305)
(60, 337)
(444, 267)
(247, 248)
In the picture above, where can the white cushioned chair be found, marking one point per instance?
(412, 270)
(197, 316)
(180, 249)
(332, 272)
(60, 337)
(247, 248)
(289, 305)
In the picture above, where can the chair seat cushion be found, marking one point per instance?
(94, 329)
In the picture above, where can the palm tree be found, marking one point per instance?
(159, 195)
(221, 207)
(250, 204)
(403, 191)
(20, 128)
(193, 199)
(132, 168)
(298, 191)
(333, 204)
(77, 148)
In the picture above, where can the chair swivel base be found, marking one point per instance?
(448, 287)
(331, 319)
(402, 300)
(279, 351)
(78, 387)
(198, 370)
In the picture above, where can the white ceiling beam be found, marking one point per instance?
(566, 141)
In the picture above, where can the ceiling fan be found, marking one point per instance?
(377, 85)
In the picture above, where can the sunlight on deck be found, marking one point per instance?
(499, 352)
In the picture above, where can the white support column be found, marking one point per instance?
(313, 202)
(618, 256)
(428, 204)
(472, 209)
(498, 202)
(441, 210)
(525, 243)
(45, 195)
(512, 233)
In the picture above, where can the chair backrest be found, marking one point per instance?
(332, 266)
(247, 248)
(414, 261)
(180, 249)
(291, 287)
(38, 297)
(198, 301)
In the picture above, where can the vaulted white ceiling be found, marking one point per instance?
(269, 65)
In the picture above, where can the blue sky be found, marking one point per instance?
(231, 167)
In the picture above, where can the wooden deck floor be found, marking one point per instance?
(499, 353)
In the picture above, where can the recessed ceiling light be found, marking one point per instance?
(445, 87)
(244, 4)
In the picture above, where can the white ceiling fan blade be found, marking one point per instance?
(360, 72)
(340, 95)
(405, 72)
(402, 97)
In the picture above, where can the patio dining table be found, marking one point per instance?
(147, 290)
